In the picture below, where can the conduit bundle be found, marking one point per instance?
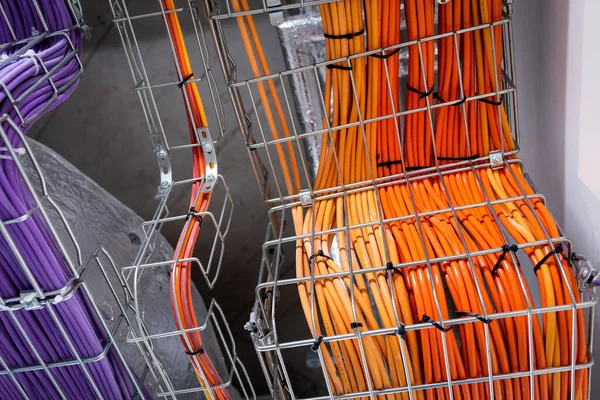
(425, 245)
(39, 69)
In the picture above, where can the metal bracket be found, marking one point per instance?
(586, 271)
(496, 159)
(164, 165)
(210, 159)
(252, 325)
(276, 17)
(29, 300)
(77, 10)
(305, 198)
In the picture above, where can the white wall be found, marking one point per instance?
(556, 45)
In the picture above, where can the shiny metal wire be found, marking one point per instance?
(43, 204)
(300, 87)
(308, 80)
(215, 222)
(270, 346)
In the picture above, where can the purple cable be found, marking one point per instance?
(23, 77)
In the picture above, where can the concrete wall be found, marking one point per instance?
(557, 58)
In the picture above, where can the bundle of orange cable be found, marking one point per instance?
(410, 219)
(181, 294)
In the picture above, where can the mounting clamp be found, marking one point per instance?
(496, 159)
(210, 159)
(276, 17)
(305, 198)
(164, 165)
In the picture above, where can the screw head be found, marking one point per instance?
(164, 184)
(496, 159)
(207, 148)
(210, 177)
(161, 155)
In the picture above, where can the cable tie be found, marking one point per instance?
(192, 213)
(386, 55)
(471, 314)
(341, 67)
(344, 36)
(557, 250)
(401, 331)
(184, 80)
(439, 98)
(34, 57)
(355, 325)
(460, 102)
(319, 254)
(195, 353)
(474, 157)
(505, 249)
(317, 343)
(267, 294)
(427, 319)
(389, 163)
(390, 266)
(422, 95)
(491, 102)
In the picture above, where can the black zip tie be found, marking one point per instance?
(316, 344)
(427, 319)
(505, 249)
(355, 325)
(460, 102)
(390, 266)
(267, 294)
(335, 66)
(439, 98)
(389, 163)
(471, 314)
(557, 250)
(476, 156)
(192, 213)
(492, 102)
(401, 331)
(344, 36)
(386, 55)
(319, 254)
(422, 95)
(184, 80)
(195, 353)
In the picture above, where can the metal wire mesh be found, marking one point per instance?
(300, 88)
(277, 286)
(24, 48)
(264, 140)
(215, 222)
(55, 304)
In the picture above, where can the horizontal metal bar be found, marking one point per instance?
(148, 15)
(62, 363)
(484, 379)
(421, 326)
(265, 9)
(336, 128)
(430, 172)
(368, 53)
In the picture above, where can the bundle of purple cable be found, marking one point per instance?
(51, 346)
